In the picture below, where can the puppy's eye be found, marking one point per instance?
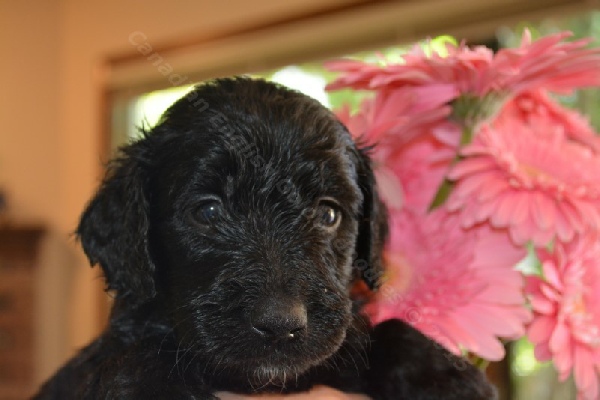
(208, 212)
(328, 215)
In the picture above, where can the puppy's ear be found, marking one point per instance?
(114, 228)
(373, 225)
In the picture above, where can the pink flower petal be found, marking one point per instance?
(469, 167)
(585, 375)
(543, 211)
(559, 338)
(390, 188)
(520, 208)
(541, 329)
(552, 276)
(543, 306)
(487, 345)
(495, 320)
(542, 352)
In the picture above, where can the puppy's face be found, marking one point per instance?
(253, 213)
(253, 229)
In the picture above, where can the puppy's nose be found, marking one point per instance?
(279, 319)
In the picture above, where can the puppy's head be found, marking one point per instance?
(245, 215)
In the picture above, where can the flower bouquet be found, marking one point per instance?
(481, 168)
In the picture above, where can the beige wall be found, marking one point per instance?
(30, 107)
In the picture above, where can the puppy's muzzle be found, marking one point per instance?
(277, 319)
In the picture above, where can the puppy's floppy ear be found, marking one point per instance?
(373, 224)
(114, 228)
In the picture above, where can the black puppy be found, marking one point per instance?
(232, 234)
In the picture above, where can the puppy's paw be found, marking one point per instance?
(405, 364)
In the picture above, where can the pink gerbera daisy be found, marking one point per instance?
(566, 306)
(529, 179)
(477, 80)
(421, 165)
(442, 280)
(536, 106)
(413, 143)
(548, 62)
(397, 116)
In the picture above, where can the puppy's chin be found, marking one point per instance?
(266, 379)
(272, 368)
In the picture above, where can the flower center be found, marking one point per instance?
(536, 174)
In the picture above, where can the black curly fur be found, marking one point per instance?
(188, 289)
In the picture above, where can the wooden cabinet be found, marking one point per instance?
(19, 251)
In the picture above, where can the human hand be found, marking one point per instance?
(316, 393)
